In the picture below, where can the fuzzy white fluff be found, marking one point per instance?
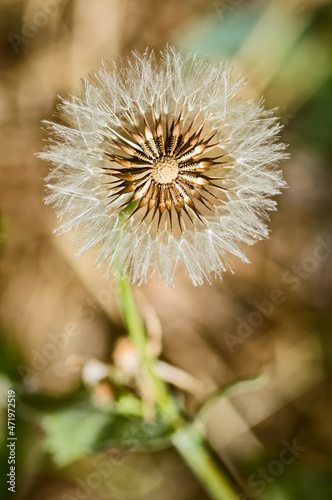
(252, 140)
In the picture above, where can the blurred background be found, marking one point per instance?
(60, 321)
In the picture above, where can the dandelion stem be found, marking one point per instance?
(186, 439)
(191, 446)
(136, 331)
(132, 317)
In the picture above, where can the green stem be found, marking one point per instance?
(136, 331)
(190, 444)
(132, 317)
(187, 440)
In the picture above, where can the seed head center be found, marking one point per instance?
(165, 170)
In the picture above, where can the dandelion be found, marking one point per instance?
(161, 164)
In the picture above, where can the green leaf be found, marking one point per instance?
(72, 434)
(136, 434)
(77, 432)
(240, 386)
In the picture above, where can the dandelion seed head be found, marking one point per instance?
(162, 165)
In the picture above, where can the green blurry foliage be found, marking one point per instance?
(74, 433)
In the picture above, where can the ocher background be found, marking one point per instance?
(284, 48)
